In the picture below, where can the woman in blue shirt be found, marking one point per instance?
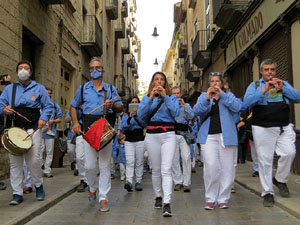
(132, 127)
(159, 108)
(218, 139)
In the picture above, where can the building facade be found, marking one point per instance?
(233, 37)
(60, 36)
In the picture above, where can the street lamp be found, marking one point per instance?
(155, 62)
(155, 34)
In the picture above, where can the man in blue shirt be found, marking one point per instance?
(272, 132)
(49, 136)
(182, 179)
(93, 94)
(30, 99)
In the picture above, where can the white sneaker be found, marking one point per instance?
(122, 178)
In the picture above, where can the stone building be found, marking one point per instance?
(233, 37)
(60, 36)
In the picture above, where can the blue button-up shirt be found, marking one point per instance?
(166, 113)
(132, 125)
(185, 114)
(33, 95)
(93, 98)
(56, 114)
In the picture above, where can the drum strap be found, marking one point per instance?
(14, 90)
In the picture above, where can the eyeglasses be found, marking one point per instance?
(24, 67)
(96, 67)
(215, 74)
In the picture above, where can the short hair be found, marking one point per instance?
(215, 74)
(25, 62)
(176, 87)
(95, 59)
(267, 62)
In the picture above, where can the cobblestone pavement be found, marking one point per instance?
(187, 208)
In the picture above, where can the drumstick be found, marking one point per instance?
(100, 106)
(30, 135)
(19, 114)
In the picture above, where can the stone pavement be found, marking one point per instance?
(137, 208)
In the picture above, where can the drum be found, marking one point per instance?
(13, 141)
(99, 134)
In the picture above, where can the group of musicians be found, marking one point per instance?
(165, 116)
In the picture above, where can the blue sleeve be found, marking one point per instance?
(76, 101)
(173, 105)
(189, 112)
(46, 104)
(4, 99)
(202, 106)
(144, 108)
(125, 125)
(114, 94)
(291, 93)
(58, 112)
(230, 101)
(253, 95)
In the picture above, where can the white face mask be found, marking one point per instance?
(23, 74)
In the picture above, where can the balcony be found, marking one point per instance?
(120, 84)
(192, 3)
(227, 13)
(183, 9)
(111, 8)
(125, 46)
(92, 36)
(201, 55)
(192, 73)
(177, 13)
(119, 27)
(182, 48)
(124, 9)
(53, 2)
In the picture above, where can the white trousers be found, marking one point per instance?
(161, 148)
(254, 155)
(71, 151)
(267, 141)
(48, 145)
(134, 152)
(218, 171)
(27, 177)
(183, 150)
(122, 169)
(33, 162)
(80, 159)
(91, 170)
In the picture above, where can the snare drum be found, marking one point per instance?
(13, 141)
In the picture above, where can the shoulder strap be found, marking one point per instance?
(13, 95)
(138, 122)
(257, 83)
(155, 110)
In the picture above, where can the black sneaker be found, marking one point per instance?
(282, 187)
(158, 203)
(82, 186)
(268, 200)
(73, 165)
(255, 174)
(167, 210)
(138, 186)
(128, 186)
(17, 199)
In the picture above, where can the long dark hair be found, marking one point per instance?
(129, 101)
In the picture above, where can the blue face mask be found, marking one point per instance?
(95, 74)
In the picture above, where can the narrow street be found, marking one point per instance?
(137, 208)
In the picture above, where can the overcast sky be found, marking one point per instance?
(152, 13)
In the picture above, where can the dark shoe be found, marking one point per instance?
(112, 176)
(255, 174)
(82, 186)
(193, 170)
(47, 175)
(17, 199)
(138, 186)
(178, 187)
(128, 186)
(283, 189)
(73, 165)
(268, 200)
(158, 203)
(27, 190)
(167, 210)
(186, 188)
(43, 167)
(76, 173)
(40, 193)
